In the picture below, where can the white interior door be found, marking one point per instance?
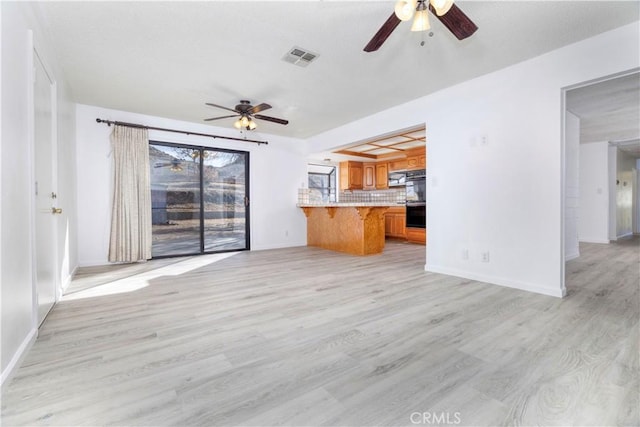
(44, 157)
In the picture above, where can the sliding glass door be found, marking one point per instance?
(225, 200)
(199, 199)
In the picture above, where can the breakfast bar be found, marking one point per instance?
(354, 228)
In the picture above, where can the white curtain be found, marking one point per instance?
(131, 213)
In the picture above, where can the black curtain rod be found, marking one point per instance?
(135, 125)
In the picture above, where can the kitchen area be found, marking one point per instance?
(382, 196)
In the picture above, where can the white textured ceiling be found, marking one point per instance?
(609, 111)
(168, 58)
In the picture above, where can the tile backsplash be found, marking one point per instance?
(309, 196)
(372, 196)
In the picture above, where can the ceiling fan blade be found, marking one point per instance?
(272, 119)
(221, 117)
(220, 106)
(457, 22)
(383, 33)
(258, 108)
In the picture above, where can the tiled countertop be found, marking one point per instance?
(348, 205)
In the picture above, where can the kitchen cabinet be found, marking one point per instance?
(417, 235)
(369, 176)
(382, 176)
(394, 222)
(397, 165)
(354, 229)
(417, 160)
(351, 175)
(375, 176)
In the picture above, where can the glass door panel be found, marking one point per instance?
(199, 199)
(225, 191)
(175, 200)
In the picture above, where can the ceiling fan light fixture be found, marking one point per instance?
(252, 125)
(421, 20)
(237, 124)
(405, 8)
(441, 6)
(244, 121)
(176, 168)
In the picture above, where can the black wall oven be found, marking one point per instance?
(416, 185)
(416, 215)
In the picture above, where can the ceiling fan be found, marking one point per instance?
(247, 113)
(448, 13)
(175, 165)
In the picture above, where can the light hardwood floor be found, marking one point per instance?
(305, 336)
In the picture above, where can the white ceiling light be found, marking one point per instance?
(404, 9)
(245, 122)
(441, 6)
(421, 20)
(419, 10)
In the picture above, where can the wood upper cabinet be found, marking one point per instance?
(417, 159)
(412, 162)
(369, 176)
(382, 176)
(397, 165)
(351, 175)
(375, 176)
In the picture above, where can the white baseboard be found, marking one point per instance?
(572, 256)
(500, 281)
(593, 240)
(278, 246)
(19, 355)
(68, 280)
(93, 263)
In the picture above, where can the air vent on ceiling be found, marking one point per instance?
(300, 57)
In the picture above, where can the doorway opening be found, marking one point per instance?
(200, 199)
(601, 152)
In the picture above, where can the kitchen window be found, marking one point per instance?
(322, 183)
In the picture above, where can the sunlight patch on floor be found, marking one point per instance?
(141, 280)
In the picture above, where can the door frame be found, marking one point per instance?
(247, 170)
(33, 52)
(563, 157)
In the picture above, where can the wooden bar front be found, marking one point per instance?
(354, 230)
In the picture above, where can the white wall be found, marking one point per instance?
(571, 186)
(636, 204)
(612, 160)
(277, 170)
(593, 221)
(18, 297)
(503, 197)
(624, 194)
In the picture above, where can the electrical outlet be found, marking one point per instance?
(485, 256)
(465, 254)
(286, 233)
(484, 140)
